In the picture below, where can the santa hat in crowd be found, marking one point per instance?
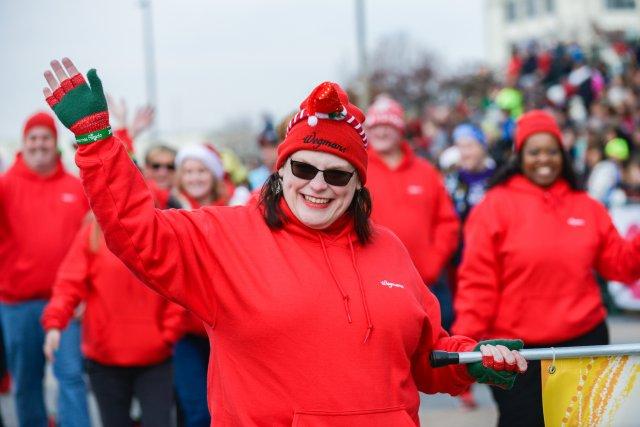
(386, 111)
(536, 121)
(40, 119)
(206, 154)
(329, 123)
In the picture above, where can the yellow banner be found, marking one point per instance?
(594, 391)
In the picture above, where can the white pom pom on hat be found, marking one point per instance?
(312, 121)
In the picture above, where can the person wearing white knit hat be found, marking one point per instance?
(199, 177)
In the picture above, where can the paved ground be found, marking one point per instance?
(436, 411)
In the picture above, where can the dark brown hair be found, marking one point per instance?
(359, 209)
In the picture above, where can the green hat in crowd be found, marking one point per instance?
(510, 99)
(617, 149)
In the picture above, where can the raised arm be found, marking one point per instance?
(167, 250)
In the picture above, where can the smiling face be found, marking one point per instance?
(472, 154)
(39, 150)
(542, 159)
(314, 202)
(384, 138)
(160, 168)
(196, 180)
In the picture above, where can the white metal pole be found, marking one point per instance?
(442, 358)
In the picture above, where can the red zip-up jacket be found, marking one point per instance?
(124, 324)
(528, 263)
(310, 327)
(412, 201)
(39, 217)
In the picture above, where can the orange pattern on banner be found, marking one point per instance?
(596, 391)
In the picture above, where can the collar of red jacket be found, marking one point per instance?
(20, 168)
(340, 232)
(194, 204)
(522, 183)
(407, 158)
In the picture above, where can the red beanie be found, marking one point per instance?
(536, 121)
(40, 119)
(386, 111)
(327, 122)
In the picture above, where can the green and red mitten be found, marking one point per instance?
(495, 373)
(82, 108)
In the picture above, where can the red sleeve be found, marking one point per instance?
(446, 229)
(70, 287)
(166, 249)
(172, 323)
(124, 136)
(477, 294)
(452, 379)
(4, 226)
(617, 259)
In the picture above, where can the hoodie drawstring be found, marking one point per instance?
(364, 297)
(345, 297)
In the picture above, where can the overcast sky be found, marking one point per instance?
(216, 60)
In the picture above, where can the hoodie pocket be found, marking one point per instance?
(388, 417)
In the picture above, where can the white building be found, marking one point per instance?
(516, 22)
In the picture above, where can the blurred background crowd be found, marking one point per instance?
(462, 122)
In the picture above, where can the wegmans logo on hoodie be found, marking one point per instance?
(390, 285)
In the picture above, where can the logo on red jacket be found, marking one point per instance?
(576, 222)
(68, 198)
(415, 189)
(390, 285)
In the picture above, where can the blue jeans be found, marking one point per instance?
(190, 362)
(23, 339)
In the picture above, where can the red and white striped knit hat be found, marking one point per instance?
(386, 111)
(327, 122)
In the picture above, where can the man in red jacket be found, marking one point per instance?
(41, 209)
(409, 197)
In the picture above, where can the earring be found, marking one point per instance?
(276, 186)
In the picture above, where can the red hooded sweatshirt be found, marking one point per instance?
(191, 324)
(310, 327)
(124, 324)
(528, 263)
(411, 200)
(39, 217)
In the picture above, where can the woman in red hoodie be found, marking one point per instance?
(531, 247)
(317, 316)
(128, 331)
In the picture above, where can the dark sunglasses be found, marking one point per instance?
(168, 166)
(331, 176)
